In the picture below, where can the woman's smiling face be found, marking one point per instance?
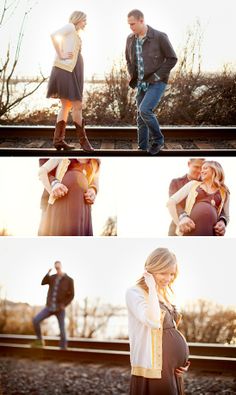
(206, 172)
(165, 278)
(81, 24)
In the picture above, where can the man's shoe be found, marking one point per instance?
(155, 148)
(37, 343)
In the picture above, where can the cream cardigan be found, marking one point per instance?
(145, 335)
(70, 42)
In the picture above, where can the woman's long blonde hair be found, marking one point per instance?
(218, 177)
(160, 260)
(77, 16)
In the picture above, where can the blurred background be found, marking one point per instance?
(103, 269)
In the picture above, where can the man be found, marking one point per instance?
(60, 294)
(150, 57)
(186, 224)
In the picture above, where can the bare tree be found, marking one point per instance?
(190, 57)
(110, 227)
(73, 317)
(207, 322)
(90, 318)
(8, 65)
(96, 317)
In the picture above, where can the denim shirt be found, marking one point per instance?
(141, 85)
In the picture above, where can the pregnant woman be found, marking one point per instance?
(71, 187)
(67, 80)
(207, 202)
(158, 351)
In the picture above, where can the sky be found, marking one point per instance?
(105, 267)
(107, 29)
(21, 193)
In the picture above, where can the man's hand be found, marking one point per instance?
(59, 190)
(90, 196)
(220, 228)
(183, 369)
(186, 224)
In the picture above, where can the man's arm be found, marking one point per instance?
(170, 56)
(224, 215)
(128, 61)
(70, 293)
(222, 222)
(47, 278)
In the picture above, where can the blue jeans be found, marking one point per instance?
(148, 125)
(45, 313)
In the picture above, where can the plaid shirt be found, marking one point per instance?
(141, 85)
(53, 305)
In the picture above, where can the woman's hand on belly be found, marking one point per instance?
(66, 55)
(183, 369)
(90, 196)
(59, 190)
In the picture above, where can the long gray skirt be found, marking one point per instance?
(68, 85)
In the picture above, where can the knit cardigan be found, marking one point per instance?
(70, 42)
(145, 335)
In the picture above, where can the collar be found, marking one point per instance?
(150, 32)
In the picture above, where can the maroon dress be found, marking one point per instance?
(69, 215)
(205, 213)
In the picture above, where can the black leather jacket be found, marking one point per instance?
(158, 55)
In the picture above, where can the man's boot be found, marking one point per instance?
(59, 136)
(83, 139)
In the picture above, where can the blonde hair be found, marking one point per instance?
(218, 176)
(160, 260)
(77, 16)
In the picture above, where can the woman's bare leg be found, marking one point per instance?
(64, 110)
(77, 112)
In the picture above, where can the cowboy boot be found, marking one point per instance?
(83, 139)
(59, 136)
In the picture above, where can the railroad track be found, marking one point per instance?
(203, 356)
(119, 141)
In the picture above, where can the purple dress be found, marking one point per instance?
(70, 215)
(175, 354)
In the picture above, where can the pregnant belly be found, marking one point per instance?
(175, 348)
(204, 216)
(75, 179)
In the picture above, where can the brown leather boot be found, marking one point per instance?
(59, 136)
(83, 139)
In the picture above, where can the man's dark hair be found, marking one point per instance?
(137, 14)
